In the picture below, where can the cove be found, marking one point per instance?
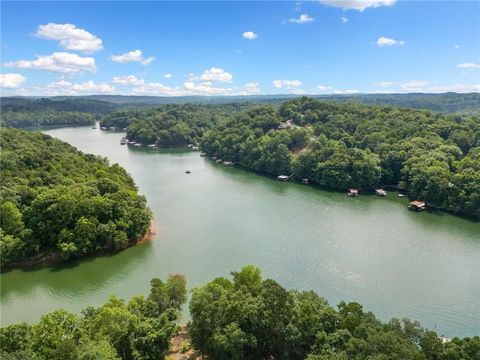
(397, 263)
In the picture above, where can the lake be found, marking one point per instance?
(395, 262)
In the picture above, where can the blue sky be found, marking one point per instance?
(231, 48)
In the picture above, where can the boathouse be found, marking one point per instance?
(352, 192)
(380, 192)
(417, 205)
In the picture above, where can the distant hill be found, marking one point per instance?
(103, 104)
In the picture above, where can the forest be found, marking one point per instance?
(58, 203)
(27, 112)
(241, 319)
(432, 156)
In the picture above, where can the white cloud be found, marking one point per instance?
(323, 88)
(385, 84)
(132, 56)
(205, 88)
(344, 19)
(459, 88)
(167, 76)
(468, 65)
(302, 19)
(456, 46)
(63, 87)
(60, 62)
(11, 81)
(250, 35)
(70, 37)
(215, 75)
(127, 80)
(251, 88)
(287, 84)
(359, 5)
(342, 92)
(384, 41)
(414, 85)
(156, 89)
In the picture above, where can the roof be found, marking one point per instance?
(417, 203)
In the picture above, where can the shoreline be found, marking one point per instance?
(54, 258)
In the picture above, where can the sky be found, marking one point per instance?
(239, 48)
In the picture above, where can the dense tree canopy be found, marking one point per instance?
(169, 125)
(56, 200)
(140, 329)
(252, 318)
(23, 112)
(433, 156)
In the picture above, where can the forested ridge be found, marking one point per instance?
(247, 318)
(170, 125)
(26, 112)
(57, 201)
(433, 156)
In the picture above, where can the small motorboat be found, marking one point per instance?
(188, 172)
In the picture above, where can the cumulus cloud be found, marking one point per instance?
(167, 76)
(11, 81)
(459, 88)
(250, 35)
(345, 92)
(414, 85)
(384, 41)
(468, 65)
(88, 87)
(323, 88)
(385, 84)
(286, 84)
(70, 37)
(344, 19)
(205, 88)
(156, 89)
(59, 62)
(358, 5)
(424, 86)
(127, 80)
(132, 56)
(251, 88)
(214, 75)
(302, 19)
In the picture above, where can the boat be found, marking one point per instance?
(402, 195)
(417, 205)
(219, 161)
(188, 172)
(305, 181)
(123, 141)
(203, 154)
(228, 163)
(352, 192)
(283, 177)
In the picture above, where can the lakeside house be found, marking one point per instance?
(286, 125)
(352, 192)
(380, 192)
(283, 178)
(417, 205)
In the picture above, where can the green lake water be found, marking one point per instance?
(372, 250)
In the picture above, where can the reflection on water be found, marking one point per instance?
(397, 263)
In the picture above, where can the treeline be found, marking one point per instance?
(26, 112)
(248, 318)
(58, 202)
(139, 329)
(170, 125)
(433, 156)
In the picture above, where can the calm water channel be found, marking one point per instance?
(372, 250)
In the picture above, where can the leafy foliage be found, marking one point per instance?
(55, 199)
(23, 112)
(433, 156)
(251, 318)
(139, 329)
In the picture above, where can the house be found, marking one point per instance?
(417, 205)
(152, 146)
(305, 181)
(286, 125)
(352, 192)
(283, 177)
(380, 192)
(195, 148)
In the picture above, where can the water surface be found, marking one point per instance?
(372, 250)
